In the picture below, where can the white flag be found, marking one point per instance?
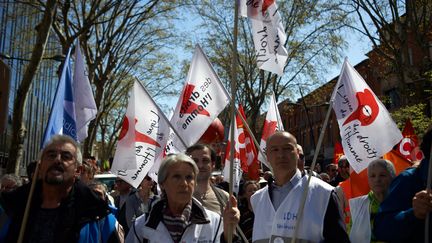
(142, 137)
(366, 128)
(202, 99)
(272, 123)
(237, 175)
(268, 34)
(85, 106)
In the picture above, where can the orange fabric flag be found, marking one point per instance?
(399, 162)
(338, 152)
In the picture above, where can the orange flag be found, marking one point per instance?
(338, 152)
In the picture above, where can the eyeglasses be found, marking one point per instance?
(64, 155)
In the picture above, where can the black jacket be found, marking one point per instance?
(81, 206)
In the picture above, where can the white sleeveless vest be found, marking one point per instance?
(360, 216)
(278, 226)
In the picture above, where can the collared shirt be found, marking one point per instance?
(280, 192)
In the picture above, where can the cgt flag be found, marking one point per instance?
(202, 99)
(240, 160)
(268, 34)
(62, 116)
(366, 128)
(272, 123)
(409, 146)
(141, 140)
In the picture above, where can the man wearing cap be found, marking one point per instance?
(276, 206)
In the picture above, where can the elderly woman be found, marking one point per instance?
(178, 217)
(363, 209)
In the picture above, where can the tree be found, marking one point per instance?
(398, 31)
(19, 108)
(313, 41)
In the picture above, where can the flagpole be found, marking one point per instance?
(305, 190)
(27, 208)
(428, 189)
(233, 109)
(163, 115)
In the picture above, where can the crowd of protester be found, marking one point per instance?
(189, 203)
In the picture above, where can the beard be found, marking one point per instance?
(57, 179)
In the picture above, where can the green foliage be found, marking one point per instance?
(417, 114)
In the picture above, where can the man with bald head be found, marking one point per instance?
(276, 205)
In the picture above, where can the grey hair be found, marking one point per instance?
(174, 159)
(385, 164)
(341, 159)
(63, 139)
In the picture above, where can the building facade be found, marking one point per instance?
(17, 37)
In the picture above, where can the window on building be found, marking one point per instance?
(394, 99)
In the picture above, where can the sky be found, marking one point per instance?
(357, 47)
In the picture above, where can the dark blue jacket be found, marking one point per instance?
(84, 216)
(395, 221)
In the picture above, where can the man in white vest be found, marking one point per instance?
(276, 206)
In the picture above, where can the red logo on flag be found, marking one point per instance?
(367, 110)
(188, 106)
(269, 129)
(139, 137)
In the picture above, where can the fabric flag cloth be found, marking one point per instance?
(62, 116)
(272, 123)
(338, 152)
(143, 134)
(240, 160)
(249, 149)
(268, 34)
(85, 105)
(409, 146)
(202, 99)
(366, 128)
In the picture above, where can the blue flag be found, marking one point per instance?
(62, 116)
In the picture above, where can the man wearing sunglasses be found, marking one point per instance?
(63, 209)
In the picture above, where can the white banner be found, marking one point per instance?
(366, 128)
(142, 138)
(268, 34)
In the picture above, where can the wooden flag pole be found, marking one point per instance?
(428, 189)
(233, 109)
(28, 204)
(306, 188)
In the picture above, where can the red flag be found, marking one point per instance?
(338, 152)
(250, 151)
(409, 145)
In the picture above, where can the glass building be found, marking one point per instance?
(17, 37)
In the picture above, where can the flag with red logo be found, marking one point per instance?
(143, 134)
(338, 152)
(268, 34)
(409, 145)
(202, 99)
(250, 150)
(272, 123)
(240, 160)
(366, 127)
